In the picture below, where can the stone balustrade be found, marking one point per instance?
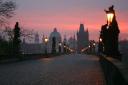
(116, 73)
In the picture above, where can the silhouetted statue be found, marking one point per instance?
(53, 45)
(16, 41)
(59, 49)
(64, 48)
(110, 36)
(111, 9)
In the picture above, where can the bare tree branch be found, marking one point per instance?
(7, 9)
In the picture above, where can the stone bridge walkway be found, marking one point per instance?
(73, 69)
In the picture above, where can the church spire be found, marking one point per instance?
(87, 30)
(81, 28)
(74, 37)
(82, 38)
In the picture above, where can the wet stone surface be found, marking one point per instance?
(73, 69)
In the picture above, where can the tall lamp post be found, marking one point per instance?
(45, 41)
(60, 44)
(100, 46)
(94, 47)
(110, 16)
(110, 33)
(64, 48)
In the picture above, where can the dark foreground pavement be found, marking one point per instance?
(74, 69)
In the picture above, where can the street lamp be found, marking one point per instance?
(45, 41)
(100, 46)
(60, 44)
(100, 39)
(94, 44)
(109, 35)
(94, 47)
(110, 16)
(64, 48)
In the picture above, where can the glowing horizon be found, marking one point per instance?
(66, 16)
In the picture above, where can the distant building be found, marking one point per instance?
(123, 47)
(37, 38)
(65, 40)
(57, 37)
(39, 48)
(82, 38)
(32, 48)
(72, 42)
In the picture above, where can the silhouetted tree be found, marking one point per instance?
(5, 49)
(2, 46)
(8, 32)
(6, 10)
(27, 34)
(16, 40)
(7, 41)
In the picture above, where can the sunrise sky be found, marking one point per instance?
(66, 15)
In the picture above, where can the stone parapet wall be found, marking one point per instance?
(116, 73)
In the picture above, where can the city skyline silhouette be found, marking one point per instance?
(63, 42)
(43, 16)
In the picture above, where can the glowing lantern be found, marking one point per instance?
(60, 44)
(109, 18)
(46, 40)
(100, 39)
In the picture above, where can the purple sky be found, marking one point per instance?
(66, 15)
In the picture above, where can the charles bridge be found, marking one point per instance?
(102, 68)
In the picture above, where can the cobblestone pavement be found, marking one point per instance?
(73, 69)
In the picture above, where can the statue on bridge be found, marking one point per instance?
(110, 33)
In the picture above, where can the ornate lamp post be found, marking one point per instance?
(110, 16)
(89, 48)
(45, 41)
(100, 39)
(64, 48)
(60, 44)
(94, 44)
(110, 33)
(94, 47)
(100, 46)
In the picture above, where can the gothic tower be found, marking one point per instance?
(82, 38)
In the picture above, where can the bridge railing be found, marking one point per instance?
(116, 73)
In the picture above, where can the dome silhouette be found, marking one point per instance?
(55, 34)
